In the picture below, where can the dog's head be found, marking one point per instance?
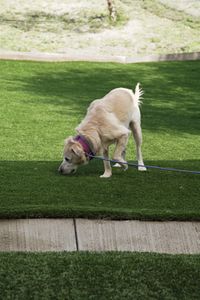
(73, 156)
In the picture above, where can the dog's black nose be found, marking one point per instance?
(60, 170)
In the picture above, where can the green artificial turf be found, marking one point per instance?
(99, 276)
(42, 103)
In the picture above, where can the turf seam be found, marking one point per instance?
(76, 234)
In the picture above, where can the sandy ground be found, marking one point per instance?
(144, 33)
(191, 7)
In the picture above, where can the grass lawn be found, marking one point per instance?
(99, 276)
(42, 103)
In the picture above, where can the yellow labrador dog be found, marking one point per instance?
(108, 121)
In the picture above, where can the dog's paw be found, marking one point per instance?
(123, 166)
(106, 175)
(120, 163)
(141, 168)
(117, 165)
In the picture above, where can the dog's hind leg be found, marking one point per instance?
(120, 150)
(117, 165)
(137, 134)
(107, 168)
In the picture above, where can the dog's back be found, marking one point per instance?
(121, 102)
(113, 114)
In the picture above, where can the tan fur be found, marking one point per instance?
(108, 120)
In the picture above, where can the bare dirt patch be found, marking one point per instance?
(83, 27)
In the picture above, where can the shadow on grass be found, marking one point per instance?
(171, 98)
(35, 189)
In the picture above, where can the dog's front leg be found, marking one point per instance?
(107, 167)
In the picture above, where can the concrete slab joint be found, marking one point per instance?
(99, 235)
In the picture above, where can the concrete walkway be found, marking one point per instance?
(58, 57)
(99, 235)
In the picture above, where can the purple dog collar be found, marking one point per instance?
(85, 145)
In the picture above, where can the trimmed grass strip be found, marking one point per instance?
(99, 276)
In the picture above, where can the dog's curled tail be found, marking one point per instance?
(138, 94)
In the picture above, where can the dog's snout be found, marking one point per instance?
(63, 171)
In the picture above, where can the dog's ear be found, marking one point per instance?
(76, 150)
(69, 140)
(79, 153)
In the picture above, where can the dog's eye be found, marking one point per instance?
(67, 159)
